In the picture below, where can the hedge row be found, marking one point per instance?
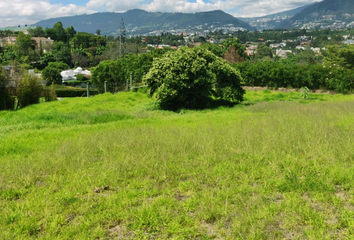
(74, 93)
(314, 76)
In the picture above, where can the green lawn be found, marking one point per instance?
(116, 167)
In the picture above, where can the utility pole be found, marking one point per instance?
(122, 37)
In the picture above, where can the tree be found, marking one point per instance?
(36, 32)
(102, 73)
(235, 51)
(214, 48)
(51, 73)
(29, 90)
(189, 78)
(62, 53)
(70, 32)
(59, 32)
(24, 44)
(264, 51)
(98, 32)
(6, 102)
(340, 55)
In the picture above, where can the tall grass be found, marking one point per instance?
(116, 167)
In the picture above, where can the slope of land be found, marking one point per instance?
(328, 13)
(273, 20)
(116, 167)
(143, 22)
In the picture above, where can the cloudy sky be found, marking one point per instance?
(20, 12)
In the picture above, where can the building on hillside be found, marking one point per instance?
(282, 53)
(349, 42)
(278, 45)
(37, 43)
(299, 48)
(196, 44)
(70, 75)
(316, 50)
(7, 41)
(45, 43)
(251, 49)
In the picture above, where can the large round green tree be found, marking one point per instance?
(51, 73)
(189, 78)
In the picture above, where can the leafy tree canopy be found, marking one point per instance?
(189, 78)
(51, 73)
(340, 55)
(240, 49)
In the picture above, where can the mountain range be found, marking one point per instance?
(324, 14)
(142, 22)
(272, 21)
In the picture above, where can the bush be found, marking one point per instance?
(49, 94)
(314, 76)
(189, 78)
(82, 78)
(51, 73)
(29, 90)
(6, 102)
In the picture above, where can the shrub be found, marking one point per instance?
(29, 90)
(314, 76)
(49, 94)
(82, 78)
(6, 102)
(51, 73)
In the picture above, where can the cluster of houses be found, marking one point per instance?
(304, 43)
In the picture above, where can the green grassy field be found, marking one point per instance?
(116, 167)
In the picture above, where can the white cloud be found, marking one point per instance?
(113, 5)
(185, 6)
(20, 12)
(27, 12)
(239, 8)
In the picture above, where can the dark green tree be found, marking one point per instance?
(37, 32)
(263, 51)
(189, 78)
(6, 102)
(24, 44)
(29, 90)
(51, 73)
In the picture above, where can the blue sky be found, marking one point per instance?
(17, 12)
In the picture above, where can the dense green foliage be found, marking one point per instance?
(49, 93)
(116, 72)
(188, 78)
(51, 73)
(29, 90)
(340, 55)
(314, 76)
(6, 102)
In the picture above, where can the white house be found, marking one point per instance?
(69, 75)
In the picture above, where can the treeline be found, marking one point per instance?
(69, 46)
(281, 75)
(117, 72)
(335, 72)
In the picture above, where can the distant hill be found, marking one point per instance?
(273, 20)
(322, 14)
(143, 22)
